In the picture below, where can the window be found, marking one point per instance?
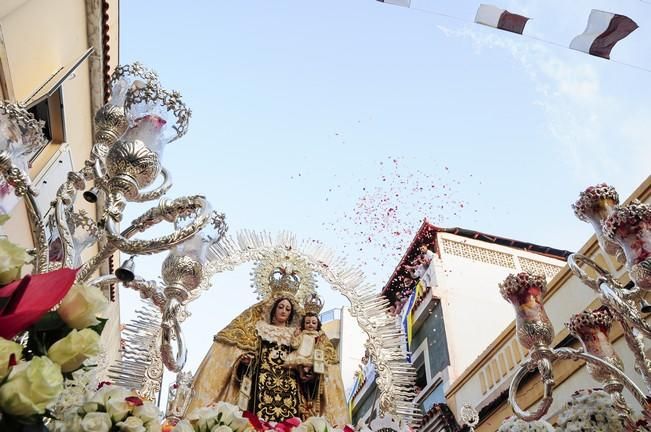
(46, 102)
(435, 396)
(421, 372)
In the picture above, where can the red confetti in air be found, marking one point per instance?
(391, 207)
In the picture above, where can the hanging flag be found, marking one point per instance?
(407, 321)
(502, 19)
(405, 3)
(604, 30)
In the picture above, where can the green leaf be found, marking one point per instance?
(99, 328)
(49, 321)
(4, 217)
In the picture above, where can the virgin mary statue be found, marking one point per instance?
(245, 365)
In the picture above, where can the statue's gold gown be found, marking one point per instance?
(217, 378)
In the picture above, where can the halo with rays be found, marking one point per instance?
(396, 376)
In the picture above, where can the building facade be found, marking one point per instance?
(55, 59)
(484, 383)
(446, 278)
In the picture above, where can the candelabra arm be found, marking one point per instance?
(166, 210)
(544, 367)
(573, 354)
(87, 270)
(37, 227)
(159, 191)
(21, 183)
(636, 345)
(149, 290)
(618, 300)
(172, 331)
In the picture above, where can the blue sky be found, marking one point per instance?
(300, 109)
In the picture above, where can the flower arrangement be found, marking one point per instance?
(225, 417)
(40, 347)
(111, 408)
(590, 410)
(221, 417)
(514, 424)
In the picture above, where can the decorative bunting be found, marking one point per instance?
(603, 31)
(404, 3)
(502, 19)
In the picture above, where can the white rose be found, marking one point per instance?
(132, 424)
(12, 258)
(319, 424)
(72, 422)
(71, 351)
(153, 426)
(240, 424)
(31, 387)
(118, 408)
(81, 305)
(183, 426)
(221, 428)
(96, 422)
(116, 392)
(227, 411)
(147, 412)
(204, 412)
(7, 348)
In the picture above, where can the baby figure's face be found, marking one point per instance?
(311, 323)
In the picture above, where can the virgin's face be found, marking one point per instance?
(283, 310)
(311, 323)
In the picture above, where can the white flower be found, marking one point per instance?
(590, 410)
(147, 412)
(31, 387)
(153, 426)
(118, 408)
(96, 422)
(227, 411)
(183, 426)
(12, 258)
(300, 428)
(7, 348)
(131, 424)
(221, 428)
(82, 304)
(514, 424)
(71, 351)
(319, 424)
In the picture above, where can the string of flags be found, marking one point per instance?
(603, 31)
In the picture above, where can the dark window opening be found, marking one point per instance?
(421, 374)
(50, 111)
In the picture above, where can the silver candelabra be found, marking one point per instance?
(623, 231)
(131, 132)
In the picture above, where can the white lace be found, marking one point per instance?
(272, 333)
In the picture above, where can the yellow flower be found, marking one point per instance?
(81, 305)
(31, 387)
(7, 348)
(71, 351)
(12, 258)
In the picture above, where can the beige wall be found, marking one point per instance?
(467, 275)
(491, 374)
(41, 36)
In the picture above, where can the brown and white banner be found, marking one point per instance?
(604, 30)
(405, 3)
(502, 19)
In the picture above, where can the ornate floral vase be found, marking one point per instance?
(524, 291)
(630, 227)
(594, 205)
(592, 329)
